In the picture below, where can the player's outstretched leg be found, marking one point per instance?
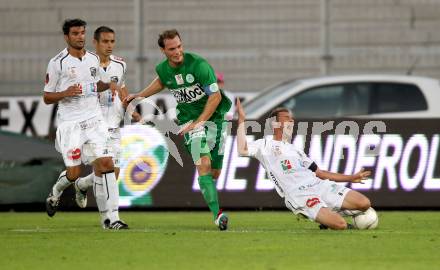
(355, 201)
(209, 192)
(331, 219)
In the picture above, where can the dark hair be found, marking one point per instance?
(69, 23)
(168, 34)
(102, 29)
(276, 111)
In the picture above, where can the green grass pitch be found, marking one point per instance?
(188, 240)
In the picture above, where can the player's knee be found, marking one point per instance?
(216, 174)
(106, 164)
(73, 173)
(364, 204)
(204, 165)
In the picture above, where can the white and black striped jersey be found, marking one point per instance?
(63, 71)
(111, 107)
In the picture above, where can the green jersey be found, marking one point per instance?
(191, 83)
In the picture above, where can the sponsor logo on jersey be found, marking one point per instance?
(46, 81)
(303, 163)
(71, 72)
(304, 187)
(277, 151)
(179, 79)
(286, 166)
(312, 202)
(189, 78)
(275, 181)
(333, 188)
(195, 133)
(188, 94)
(93, 72)
(74, 154)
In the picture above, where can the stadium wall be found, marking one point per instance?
(256, 43)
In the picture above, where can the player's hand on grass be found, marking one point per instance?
(73, 90)
(240, 111)
(360, 176)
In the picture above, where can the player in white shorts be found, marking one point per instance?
(112, 69)
(306, 189)
(73, 81)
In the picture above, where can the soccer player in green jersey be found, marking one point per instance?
(201, 109)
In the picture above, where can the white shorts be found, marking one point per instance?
(82, 142)
(114, 142)
(308, 200)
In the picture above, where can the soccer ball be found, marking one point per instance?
(367, 220)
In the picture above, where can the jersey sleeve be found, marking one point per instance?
(52, 77)
(124, 72)
(305, 161)
(159, 74)
(255, 148)
(206, 77)
(99, 76)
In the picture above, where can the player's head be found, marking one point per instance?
(104, 40)
(283, 122)
(75, 33)
(171, 45)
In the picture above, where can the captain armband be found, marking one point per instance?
(211, 89)
(313, 167)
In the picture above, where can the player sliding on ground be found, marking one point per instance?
(306, 189)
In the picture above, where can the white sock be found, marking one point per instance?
(61, 184)
(101, 198)
(111, 187)
(85, 182)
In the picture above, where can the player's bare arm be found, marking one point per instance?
(241, 131)
(153, 88)
(338, 177)
(123, 94)
(210, 107)
(54, 97)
